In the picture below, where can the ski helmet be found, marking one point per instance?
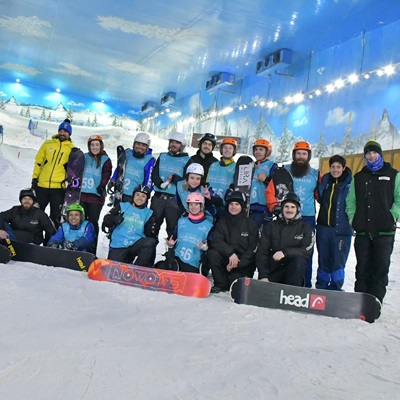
(95, 137)
(27, 192)
(195, 168)
(263, 143)
(291, 198)
(210, 137)
(235, 195)
(302, 145)
(195, 197)
(142, 189)
(178, 137)
(76, 207)
(230, 141)
(142, 137)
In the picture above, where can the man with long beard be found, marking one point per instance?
(305, 181)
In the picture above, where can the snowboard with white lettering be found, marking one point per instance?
(346, 305)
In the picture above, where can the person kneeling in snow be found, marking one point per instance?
(132, 229)
(76, 233)
(285, 246)
(188, 244)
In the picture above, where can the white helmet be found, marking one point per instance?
(195, 168)
(178, 137)
(142, 137)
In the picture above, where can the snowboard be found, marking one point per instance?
(345, 305)
(243, 177)
(5, 255)
(283, 183)
(117, 190)
(29, 252)
(73, 181)
(182, 283)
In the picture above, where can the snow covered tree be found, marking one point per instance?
(95, 124)
(70, 114)
(43, 114)
(2, 103)
(286, 142)
(321, 149)
(22, 112)
(28, 112)
(347, 144)
(49, 116)
(88, 122)
(114, 122)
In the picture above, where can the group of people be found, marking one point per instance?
(208, 223)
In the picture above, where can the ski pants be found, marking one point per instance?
(308, 274)
(222, 278)
(92, 213)
(291, 272)
(373, 262)
(333, 251)
(54, 197)
(164, 206)
(170, 258)
(143, 250)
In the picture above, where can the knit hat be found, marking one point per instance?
(66, 126)
(27, 192)
(372, 145)
(237, 196)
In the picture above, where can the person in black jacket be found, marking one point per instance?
(26, 223)
(373, 207)
(234, 240)
(204, 156)
(285, 246)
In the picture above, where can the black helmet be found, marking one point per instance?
(291, 198)
(142, 189)
(27, 192)
(210, 137)
(235, 195)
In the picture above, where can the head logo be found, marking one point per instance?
(317, 302)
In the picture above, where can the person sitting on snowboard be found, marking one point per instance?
(132, 229)
(187, 246)
(26, 222)
(285, 246)
(75, 234)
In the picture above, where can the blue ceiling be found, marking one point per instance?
(130, 52)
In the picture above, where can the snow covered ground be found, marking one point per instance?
(63, 336)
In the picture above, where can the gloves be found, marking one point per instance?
(69, 245)
(164, 185)
(277, 210)
(34, 184)
(101, 190)
(118, 218)
(56, 246)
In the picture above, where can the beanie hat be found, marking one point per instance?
(237, 196)
(372, 145)
(66, 126)
(27, 192)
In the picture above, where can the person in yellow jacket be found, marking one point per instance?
(49, 171)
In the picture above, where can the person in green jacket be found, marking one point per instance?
(373, 207)
(49, 171)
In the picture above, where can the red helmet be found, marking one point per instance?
(95, 137)
(230, 141)
(302, 145)
(263, 143)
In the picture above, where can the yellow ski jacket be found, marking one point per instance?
(51, 163)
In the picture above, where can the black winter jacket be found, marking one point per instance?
(205, 162)
(28, 225)
(294, 238)
(236, 234)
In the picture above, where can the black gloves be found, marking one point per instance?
(277, 210)
(34, 184)
(69, 245)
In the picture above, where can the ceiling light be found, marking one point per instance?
(353, 78)
(18, 80)
(339, 83)
(330, 88)
(389, 70)
(318, 92)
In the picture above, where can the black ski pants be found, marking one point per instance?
(54, 197)
(142, 252)
(373, 262)
(291, 272)
(164, 206)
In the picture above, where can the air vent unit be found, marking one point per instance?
(168, 99)
(220, 79)
(273, 61)
(149, 106)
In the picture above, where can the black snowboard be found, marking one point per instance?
(5, 255)
(73, 181)
(28, 252)
(283, 183)
(346, 305)
(243, 177)
(117, 190)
